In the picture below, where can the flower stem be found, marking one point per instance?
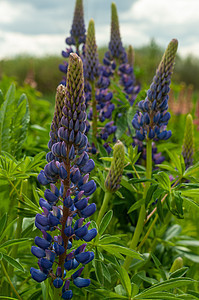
(94, 107)
(148, 232)
(9, 280)
(103, 208)
(142, 214)
(56, 294)
(66, 212)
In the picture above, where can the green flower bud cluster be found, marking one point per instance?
(188, 142)
(112, 182)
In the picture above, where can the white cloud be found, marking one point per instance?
(36, 28)
(17, 43)
(170, 11)
(9, 14)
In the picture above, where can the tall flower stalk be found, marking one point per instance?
(91, 66)
(65, 206)
(150, 123)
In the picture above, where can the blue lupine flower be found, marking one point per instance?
(70, 165)
(150, 122)
(37, 275)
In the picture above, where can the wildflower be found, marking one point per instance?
(69, 166)
(151, 119)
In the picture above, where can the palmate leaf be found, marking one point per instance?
(19, 125)
(6, 114)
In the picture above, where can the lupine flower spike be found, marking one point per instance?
(188, 142)
(112, 182)
(66, 207)
(91, 67)
(113, 179)
(115, 45)
(76, 38)
(78, 28)
(116, 60)
(151, 119)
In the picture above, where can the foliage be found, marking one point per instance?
(162, 202)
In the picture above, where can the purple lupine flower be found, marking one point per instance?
(91, 61)
(116, 48)
(77, 37)
(69, 167)
(78, 28)
(151, 119)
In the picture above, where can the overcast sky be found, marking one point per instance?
(39, 27)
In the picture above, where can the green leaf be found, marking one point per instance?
(165, 285)
(3, 223)
(14, 242)
(19, 126)
(192, 170)
(125, 183)
(176, 161)
(179, 273)
(13, 262)
(118, 250)
(172, 232)
(192, 193)
(158, 266)
(163, 180)
(160, 210)
(7, 111)
(125, 280)
(98, 268)
(107, 158)
(107, 239)
(106, 272)
(143, 277)
(105, 222)
(135, 205)
(121, 124)
(162, 296)
(5, 297)
(190, 203)
(8, 227)
(177, 204)
(193, 293)
(110, 295)
(149, 194)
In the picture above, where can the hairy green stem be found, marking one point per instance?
(10, 282)
(94, 107)
(104, 206)
(142, 214)
(56, 295)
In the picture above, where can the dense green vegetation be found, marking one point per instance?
(112, 183)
